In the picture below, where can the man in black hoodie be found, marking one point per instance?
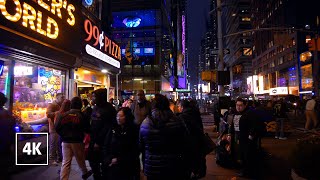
(103, 118)
(71, 126)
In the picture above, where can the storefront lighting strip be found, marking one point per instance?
(88, 82)
(305, 92)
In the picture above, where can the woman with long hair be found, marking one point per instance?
(125, 164)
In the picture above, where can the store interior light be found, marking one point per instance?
(137, 79)
(104, 71)
(86, 72)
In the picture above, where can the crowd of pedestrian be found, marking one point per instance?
(162, 138)
(153, 137)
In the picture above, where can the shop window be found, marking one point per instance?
(34, 87)
(4, 78)
(306, 77)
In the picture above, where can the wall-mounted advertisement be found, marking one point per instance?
(180, 65)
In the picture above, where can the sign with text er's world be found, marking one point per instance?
(32, 149)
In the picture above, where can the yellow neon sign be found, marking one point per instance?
(32, 18)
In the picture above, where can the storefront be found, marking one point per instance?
(46, 50)
(89, 80)
(38, 47)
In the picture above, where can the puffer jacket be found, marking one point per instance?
(163, 138)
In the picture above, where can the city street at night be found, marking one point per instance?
(159, 89)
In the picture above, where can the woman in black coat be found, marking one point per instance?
(125, 164)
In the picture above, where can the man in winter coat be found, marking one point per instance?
(163, 140)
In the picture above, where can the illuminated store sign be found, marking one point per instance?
(101, 44)
(32, 17)
(100, 55)
(279, 91)
(23, 71)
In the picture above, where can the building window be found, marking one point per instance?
(306, 77)
(247, 51)
(281, 60)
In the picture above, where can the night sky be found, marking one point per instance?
(197, 13)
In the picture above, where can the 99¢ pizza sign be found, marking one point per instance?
(98, 38)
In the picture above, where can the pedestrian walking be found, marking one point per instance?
(163, 141)
(72, 126)
(103, 118)
(191, 116)
(52, 109)
(311, 115)
(125, 163)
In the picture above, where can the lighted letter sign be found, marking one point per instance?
(32, 18)
(101, 42)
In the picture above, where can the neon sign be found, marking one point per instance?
(183, 34)
(103, 42)
(132, 22)
(32, 18)
(88, 2)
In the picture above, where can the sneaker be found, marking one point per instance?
(88, 174)
(283, 138)
(276, 137)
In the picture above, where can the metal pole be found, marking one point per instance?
(117, 89)
(220, 45)
(316, 68)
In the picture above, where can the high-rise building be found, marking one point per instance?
(282, 62)
(152, 36)
(236, 17)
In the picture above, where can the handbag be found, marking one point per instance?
(208, 144)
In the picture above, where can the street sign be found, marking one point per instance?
(216, 51)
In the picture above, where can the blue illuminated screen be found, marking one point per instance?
(148, 50)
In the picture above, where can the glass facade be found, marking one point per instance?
(34, 86)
